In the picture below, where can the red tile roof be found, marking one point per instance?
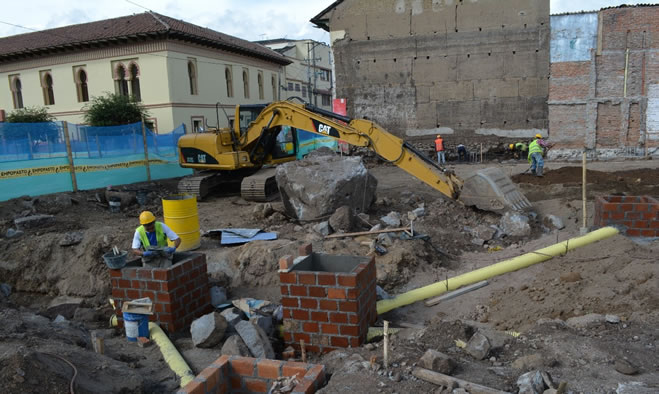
(124, 29)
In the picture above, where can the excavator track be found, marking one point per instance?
(200, 184)
(261, 186)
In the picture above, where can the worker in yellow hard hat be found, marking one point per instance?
(536, 151)
(519, 149)
(151, 233)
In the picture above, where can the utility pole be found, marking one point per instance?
(311, 62)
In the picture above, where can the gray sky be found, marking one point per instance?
(247, 19)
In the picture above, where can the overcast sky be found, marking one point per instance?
(247, 19)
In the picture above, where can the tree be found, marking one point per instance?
(114, 110)
(30, 115)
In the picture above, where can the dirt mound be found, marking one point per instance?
(612, 180)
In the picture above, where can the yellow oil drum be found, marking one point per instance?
(181, 215)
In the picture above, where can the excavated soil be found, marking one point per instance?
(620, 181)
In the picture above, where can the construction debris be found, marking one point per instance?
(208, 330)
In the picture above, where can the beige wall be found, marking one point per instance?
(164, 82)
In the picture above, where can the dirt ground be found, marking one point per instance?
(617, 276)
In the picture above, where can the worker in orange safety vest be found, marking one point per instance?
(439, 148)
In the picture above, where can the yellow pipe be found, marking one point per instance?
(171, 355)
(493, 270)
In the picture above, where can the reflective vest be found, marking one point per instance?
(160, 236)
(534, 147)
(439, 144)
(520, 146)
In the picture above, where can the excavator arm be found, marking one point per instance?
(356, 132)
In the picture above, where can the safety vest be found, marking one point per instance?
(521, 146)
(439, 144)
(534, 147)
(160, 236)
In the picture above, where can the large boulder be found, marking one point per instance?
(317, 185)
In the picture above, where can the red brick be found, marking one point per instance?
(160, 274)
(311, 327)
(641, 207)
(318, 292)
(287, 277)
(610, 207)
(338, 318)
(212, 376)
(348, 280)
(354, 342)
(300, 314)
(115, 274)
(306, 386)
(617, 216)
(163, 297)
(352, 331)
(256, 385)
(292, 368)
(298, 290)
(130, 273)
(309, 303)
(326, 279)
(349, 306)
(312, 348)
(153, 286)
(286, 262)
(284, 289)
(626, 207)
(288, 337)
(648, 233)
(641, 224)
(118, 293)
(244, 366)
(353, 318)
(236, 382)
(339, 341)
(329, 305)
(633, 232)
(169, 286)
(306, 278)
(194, 387)
(148, 294)
(353, 294)
(159, 307)
(123, 283)
(145, 273)
(336, 293)
(132, 294)
(654, 224)
(647, 216)
(290, 302)
(605, 216)
(633, 215)
(268, 369)
(329, 329)
(305, 250)
(299, 336)
(319, 316)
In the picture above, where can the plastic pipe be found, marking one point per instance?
(493, 270)
(171, 355)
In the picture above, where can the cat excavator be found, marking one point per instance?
(266, 135)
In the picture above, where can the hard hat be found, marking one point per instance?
(538, 135)
(439, 136)
(511, 146)
(147, 217)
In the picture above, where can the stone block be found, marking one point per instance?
(208, 330)
(256, 339)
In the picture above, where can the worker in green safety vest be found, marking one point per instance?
(519, 149)
(151, 233)
(536, 151)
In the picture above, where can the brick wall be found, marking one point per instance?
(637, 215)
(180, 293)
(233, 374)
(328, 310)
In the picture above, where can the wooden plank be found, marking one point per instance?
(146, 152)
(445, 380)
(69, 154)
(390, 230)
(456, 293)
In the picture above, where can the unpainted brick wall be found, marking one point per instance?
(180, 293)
(637, 215)
(234, 374)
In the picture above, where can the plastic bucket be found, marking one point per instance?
(115, 261)
(115, 204)
(180, 213)
(136, 325)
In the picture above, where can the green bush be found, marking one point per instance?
(114, 110)
(30, 115)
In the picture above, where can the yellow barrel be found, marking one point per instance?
(180, 212)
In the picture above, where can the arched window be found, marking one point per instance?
(274, 87)
(121, 84)
(81, 86)
(260, 81)
(135, 82)
(48, 93)
(16, 92)
(192, 76)
(229, 79)
(246, 83)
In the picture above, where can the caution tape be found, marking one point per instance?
(34, 171)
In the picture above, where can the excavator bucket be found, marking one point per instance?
(491, 189)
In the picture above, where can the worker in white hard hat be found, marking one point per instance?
(153, 233)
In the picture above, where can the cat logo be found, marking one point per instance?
(323, 128)
(201, 158)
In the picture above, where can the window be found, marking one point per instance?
(297, 87)
(229, 79)
(326, 99)
(274, 87)
(304, 91)
(197, 124)
(260, 81)
(16, 92)
(246, 83)
(325, 75)
(135, 82)
(47, 88)
(290, 86)
(192, 76)
(81, 86)
(120, 83)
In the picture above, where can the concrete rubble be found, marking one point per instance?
(256, 339)
(208, 330)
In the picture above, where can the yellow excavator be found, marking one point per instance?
(265, 135)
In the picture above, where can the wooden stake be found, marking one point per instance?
(445, 380)
(388, 230)
(98, 343)
(146, 152)
(69, 154)
(303, 350)
(584, 227)
(386, 344)
(481, 152)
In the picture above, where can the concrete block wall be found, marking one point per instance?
(591, 103)
(328, 310)
(460, 69)
(234, 374)
(180, 293)
(637, 215)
